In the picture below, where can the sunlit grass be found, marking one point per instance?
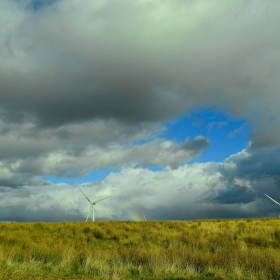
(208, 249)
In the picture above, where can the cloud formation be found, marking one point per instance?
(192, 191)
(89, 85)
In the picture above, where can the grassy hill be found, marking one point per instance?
(207, 249)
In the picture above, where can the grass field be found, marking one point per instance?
(206, 249)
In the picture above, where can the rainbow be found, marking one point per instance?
(134, 215)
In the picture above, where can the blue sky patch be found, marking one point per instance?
(39, 4)
(227, 135)
(95, 175)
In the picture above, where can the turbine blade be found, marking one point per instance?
(85, 195)
(101, 199)
(272, 199)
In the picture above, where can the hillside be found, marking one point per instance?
(206, 249)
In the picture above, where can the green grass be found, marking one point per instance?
(207, 249)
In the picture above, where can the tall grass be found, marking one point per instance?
(208, 249)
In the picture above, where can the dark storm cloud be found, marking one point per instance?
(245, 177)
(140, 61)
(234, 195)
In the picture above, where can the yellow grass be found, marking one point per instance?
(208, 249)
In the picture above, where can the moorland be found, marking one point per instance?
(201, 249)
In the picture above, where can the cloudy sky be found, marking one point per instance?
(171, 107)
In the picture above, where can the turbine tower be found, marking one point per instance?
(92, 204)
(144, 215)
(273, 201)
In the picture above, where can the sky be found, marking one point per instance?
(171, 107)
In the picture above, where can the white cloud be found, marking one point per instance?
(193, 191)
(154, 153)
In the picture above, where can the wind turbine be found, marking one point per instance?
(92, 204)
(144, 215)
(273, 201)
